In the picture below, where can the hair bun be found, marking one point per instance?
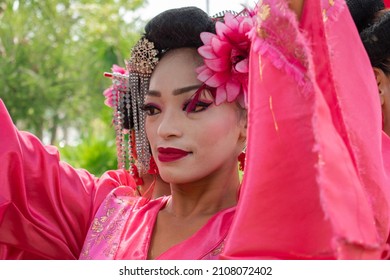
(178, 28)
(376, 40)
(363, 11)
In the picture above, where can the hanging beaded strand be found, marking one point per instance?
(120, 100)
(127, 109)
(118, 125)
(122, 108)
(135, 110)
(145, 150)
(140, 66)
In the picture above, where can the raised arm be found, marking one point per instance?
(46, 206)
(315, 183)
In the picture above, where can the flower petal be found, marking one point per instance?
(108, 102)
(108, 92)
(218, 65)
(222, 29)
(207, 52)
(206, 37)
(242, 66)
(205, 75)
(231, 21)
(217, 79)
(118, 69)
(245, 26)
(201, 69)
(232, 90)
(220, 95)
(221, 48)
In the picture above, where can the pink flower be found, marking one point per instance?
(108, 92)
(226, 58)
(117, 69)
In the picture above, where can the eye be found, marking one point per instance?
(150, 109)
(197, 107)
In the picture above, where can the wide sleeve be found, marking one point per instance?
(315, 184)
(46, 206)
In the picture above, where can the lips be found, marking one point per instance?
(171, 154)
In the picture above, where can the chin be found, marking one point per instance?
(178, 176)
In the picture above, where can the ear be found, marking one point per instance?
(380, 76)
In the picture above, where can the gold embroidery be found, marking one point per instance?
(273, 114)
(262, 33)
(105, 228)
(264, 12)
(260, 68)
(324, 15)
(217, 251)
(97, 226)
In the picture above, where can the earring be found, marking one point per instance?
(153, 169)
(241, 161)
(134, 171)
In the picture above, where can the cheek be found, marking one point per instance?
(220, 133)
(151, 131)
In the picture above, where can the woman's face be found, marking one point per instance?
(189, 146)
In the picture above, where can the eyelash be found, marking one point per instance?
(149, 108)
(203, 105)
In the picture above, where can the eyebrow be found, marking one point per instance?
(175, 92)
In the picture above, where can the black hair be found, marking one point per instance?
(363, 11)
(178, 28)
(373, 23)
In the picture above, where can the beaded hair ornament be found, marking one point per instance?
(126, 97)
(224, 73)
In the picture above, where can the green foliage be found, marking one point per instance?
(95, 155)
(97, 152)
(52, 56)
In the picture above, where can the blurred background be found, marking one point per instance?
(52, 57)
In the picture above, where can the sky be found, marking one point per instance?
(157, 6)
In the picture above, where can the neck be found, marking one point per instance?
(206, 196)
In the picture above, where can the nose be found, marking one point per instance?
(170, 126)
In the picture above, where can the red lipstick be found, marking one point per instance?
(170, 154)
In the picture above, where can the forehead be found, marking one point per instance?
(176, 69)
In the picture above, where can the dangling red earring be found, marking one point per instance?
(241, 161)
(153, 169)
(134, 170)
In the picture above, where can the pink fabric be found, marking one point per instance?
(46, 206)
(123, 227)
(316, 184)
(387, 3)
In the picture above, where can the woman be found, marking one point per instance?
(50, 206)
(188, 117)
(373, 22)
